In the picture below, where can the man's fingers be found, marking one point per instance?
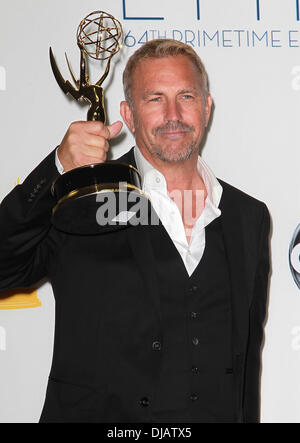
(114, 129)
(94, 151)
(97, 128)
(94, 141)
(86, 142)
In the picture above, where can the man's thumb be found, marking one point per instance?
(114, 129)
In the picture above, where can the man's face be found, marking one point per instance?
(169, 112)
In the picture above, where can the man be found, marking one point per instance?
(153, 323)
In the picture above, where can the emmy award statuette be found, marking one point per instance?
(78, 192)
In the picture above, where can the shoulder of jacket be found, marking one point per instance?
(240, 197)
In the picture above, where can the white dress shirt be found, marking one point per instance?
(155, 186)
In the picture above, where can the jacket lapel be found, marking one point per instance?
(234, 239)
(140, 242)
(127, 158)
(139, 239)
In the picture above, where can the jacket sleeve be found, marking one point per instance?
(256, 326)
(25, 220)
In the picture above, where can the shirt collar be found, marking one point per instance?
(153, 179)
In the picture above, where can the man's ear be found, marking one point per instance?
(208, 105)
(127, 115)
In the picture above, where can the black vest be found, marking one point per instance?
(196, 376)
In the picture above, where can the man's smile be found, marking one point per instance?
(173, 135)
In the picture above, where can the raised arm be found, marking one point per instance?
(25, 221)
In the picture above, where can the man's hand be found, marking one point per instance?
(86, 143)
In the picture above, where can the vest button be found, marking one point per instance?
(193, 288)
(195, 341)
(194, 397)
(156, 346)
(195, 370)
(194, 315)
(144, 402)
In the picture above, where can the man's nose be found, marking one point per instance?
(172, 110)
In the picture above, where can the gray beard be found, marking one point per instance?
(179, 156)
(174, 157)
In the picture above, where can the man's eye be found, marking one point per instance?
(155, 99)
(187, 97)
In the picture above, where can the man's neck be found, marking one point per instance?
(184, 185)
(181, 175)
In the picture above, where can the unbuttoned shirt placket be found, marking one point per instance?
(155, 186)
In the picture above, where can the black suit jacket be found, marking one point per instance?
(108, 307)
